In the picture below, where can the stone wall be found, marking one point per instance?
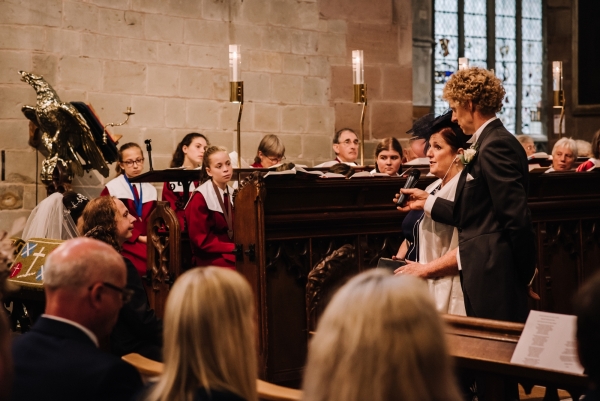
(168, 60)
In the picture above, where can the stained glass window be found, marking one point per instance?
(476, 32)
(531, 22)
(506, 59)
(446, 47)
(520, 111)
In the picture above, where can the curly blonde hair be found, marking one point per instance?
(477, 85)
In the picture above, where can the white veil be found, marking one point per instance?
(48, 220)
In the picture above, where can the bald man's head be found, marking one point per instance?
(79, 262)
(85, 282)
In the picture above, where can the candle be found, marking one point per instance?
(557, 83)
(235, 63)
(358, 67)
(463, 63)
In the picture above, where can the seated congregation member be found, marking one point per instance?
(209, 213)
(138, 329)
(416, 154)
(345, 146)
(210, 348)
(59, 359)
(379, 339)
(188, 154)
(587, 310)
(434, 239)
(388, 157)
(139, 198)
(584, 148)
(55, 217)
(271, 151)
(527, 142)
(594, 161)
(564, 154)
(343, 169)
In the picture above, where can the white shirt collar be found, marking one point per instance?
(475, 136)
(87, 331)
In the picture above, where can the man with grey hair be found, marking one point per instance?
(59, 359)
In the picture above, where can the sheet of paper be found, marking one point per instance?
(548, 341)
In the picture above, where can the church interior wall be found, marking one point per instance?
(168, 60)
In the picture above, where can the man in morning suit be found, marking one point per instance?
(59, 359)
(496, 252)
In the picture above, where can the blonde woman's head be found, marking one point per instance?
(209, 336)
(379, 339)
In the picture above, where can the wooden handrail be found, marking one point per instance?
(265, 390)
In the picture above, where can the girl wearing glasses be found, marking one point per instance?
(188, 154)
(140, 199)
(209, 213)
(271, 151)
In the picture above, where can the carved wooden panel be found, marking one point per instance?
(164, 255)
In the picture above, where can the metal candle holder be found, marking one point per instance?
(360, 96)
(236, 95)
(559, 93)
(128, 112)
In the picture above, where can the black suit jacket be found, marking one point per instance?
(496, 238)
(58, 361)
(138, 329)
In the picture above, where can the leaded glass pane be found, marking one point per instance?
(446, 48)
(532, 72)
(476, 33)
(506, 57)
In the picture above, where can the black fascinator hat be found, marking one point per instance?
(428, 125)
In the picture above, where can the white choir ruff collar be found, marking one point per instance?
(210, 196)
(119, 188)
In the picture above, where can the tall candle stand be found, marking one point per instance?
(360, 95)
(236, 91)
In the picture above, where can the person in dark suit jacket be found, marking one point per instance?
(59, 359)
(587, 310)
(496, 252)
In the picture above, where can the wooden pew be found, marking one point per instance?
(286, 225)
(486, 346)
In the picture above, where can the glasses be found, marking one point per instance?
(130, 163)
(126, 293)
(276, 159)
(348, 142)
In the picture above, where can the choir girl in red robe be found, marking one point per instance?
(140, 199)
(189, 155)
(271, 151)
(209, 213)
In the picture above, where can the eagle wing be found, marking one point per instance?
(77, 135)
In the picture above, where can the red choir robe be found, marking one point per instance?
(173, 193)
(589, 165)
(207, 228)
(256, 165)
(133, 249)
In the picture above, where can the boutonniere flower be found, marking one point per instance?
(469, 154)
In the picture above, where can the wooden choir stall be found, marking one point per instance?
(300, 237)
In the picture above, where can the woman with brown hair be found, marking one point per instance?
(271, 151)
(594, 161)
(138, 329)
(388, 157)
(188, 155)
(140, 199)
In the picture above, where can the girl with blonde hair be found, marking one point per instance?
(209, 345)
(380, 339)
